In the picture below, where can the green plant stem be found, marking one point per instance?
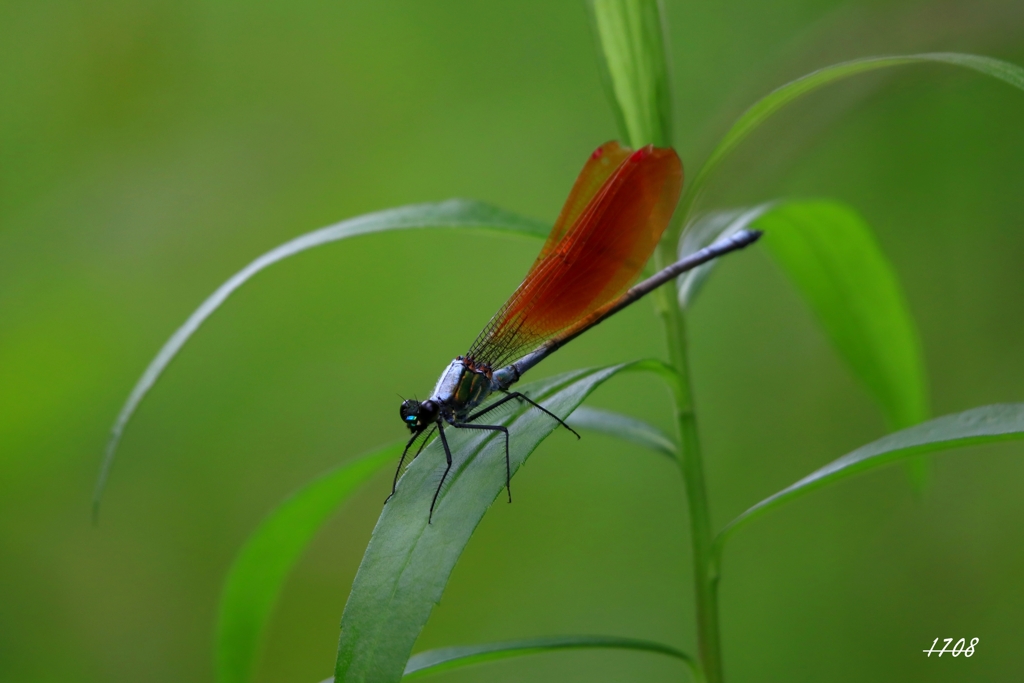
(692, 468)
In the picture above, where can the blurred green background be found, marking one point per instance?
(148, 150)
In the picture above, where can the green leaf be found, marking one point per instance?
(454, 213)
(830, 254)
(408, 561)
(624, 427)
(447, 658)
(632, 46)
(260, 569)
(778, 98)
(262, 565)
(443, 659)
(976, 426)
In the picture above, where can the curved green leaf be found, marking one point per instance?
(634, 69)
(454, 213)
(443, 659)
(262, 565)
(408, 561)
(830, 254)
(447, 658)
(259, 571)
(778, 98)
(976, 426)
(624, 427)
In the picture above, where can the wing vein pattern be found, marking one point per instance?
(616, 212)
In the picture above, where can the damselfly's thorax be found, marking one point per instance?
(463, 385)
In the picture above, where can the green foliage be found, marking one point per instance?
(624, 427)
(263, 563)
(443, 659)
(454, 213)
(634, 68)
(408, 561)
(825, 248)
(448, 658)
(780, 97)
(971, 427)
(152, 149)
(259, 571)
(829, 253)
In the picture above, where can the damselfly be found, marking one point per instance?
(614, 217)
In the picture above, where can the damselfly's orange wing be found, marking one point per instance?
(612, 220)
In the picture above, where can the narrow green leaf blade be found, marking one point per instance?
(624, 427)
(261, 566)
(976, 426)
(408, 561)
(447, 658)
(630, 36)
(831, 256)
(443, 659)
(778, 98)
(454, 213)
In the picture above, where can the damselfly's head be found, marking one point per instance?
(417, 415)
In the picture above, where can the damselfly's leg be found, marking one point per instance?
(448, 456)
(424, 444)
(398, 470)
(508, 463)
(419, 450)
(501, 401)
(515, 394)
(523, 397)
